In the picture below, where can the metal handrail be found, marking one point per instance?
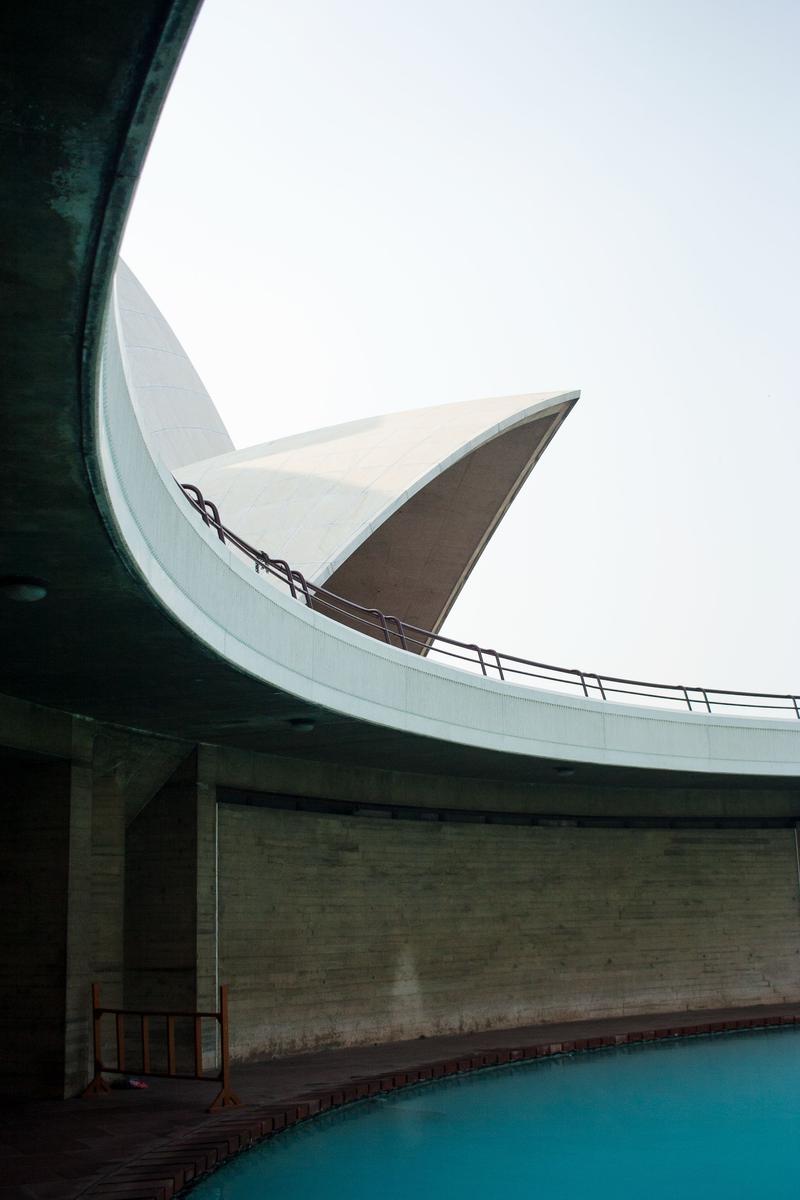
(414, 639)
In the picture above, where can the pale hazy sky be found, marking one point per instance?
(357, 207)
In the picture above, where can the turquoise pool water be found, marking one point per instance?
(704, 1119)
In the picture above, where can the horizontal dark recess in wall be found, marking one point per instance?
(462, 816)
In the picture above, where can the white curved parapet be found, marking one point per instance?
(213, 592)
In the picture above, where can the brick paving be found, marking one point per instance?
(148, 1145)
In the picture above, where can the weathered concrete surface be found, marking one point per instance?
(47, 925)
(652, 798)
(111, 873)
(67, 787)
(170, 914)
(341, 931)
(33, 899)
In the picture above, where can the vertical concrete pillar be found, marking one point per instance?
(33, 892)
(207, 925)
(171, 893)
(108, 880)
(206, 934)
(45, 937)
(68, 787)
(79, 931)
(111, 769)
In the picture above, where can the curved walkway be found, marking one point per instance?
(148, 1145)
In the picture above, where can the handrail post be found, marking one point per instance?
(285, 569)
(386, 635)
(688, 701)
(479, 653)
(225, 1097)
(301, 579)
(796, 709)
(401, 633)
(600, 685)
(216, 519)
(583, 683)
(705, 697)
(200, 503)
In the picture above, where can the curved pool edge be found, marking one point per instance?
(173, 1166)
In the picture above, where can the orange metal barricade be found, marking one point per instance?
(225, 1098)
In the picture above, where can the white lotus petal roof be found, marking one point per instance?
(175, 411)
(390, 511)
(315, 497)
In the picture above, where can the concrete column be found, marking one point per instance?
(206, 951)
(45, 937)
(33, 887)
(112, 766)
(206, 930)
(70, 790)
(171, 895)
(79, 925)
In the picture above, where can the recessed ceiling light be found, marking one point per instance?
(565, 770)
(302, 724)
(24, 588)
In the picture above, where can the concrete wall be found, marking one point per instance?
(352, 930)
(160, 911)
(334, 929)
(171, 906)
(33, 890)
(170, 897)
(45, 927)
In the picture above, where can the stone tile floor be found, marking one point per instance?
(147, 1145)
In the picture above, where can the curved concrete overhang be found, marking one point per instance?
(211, 590)
(150, 621)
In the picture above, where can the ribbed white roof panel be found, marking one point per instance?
(176, 413)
